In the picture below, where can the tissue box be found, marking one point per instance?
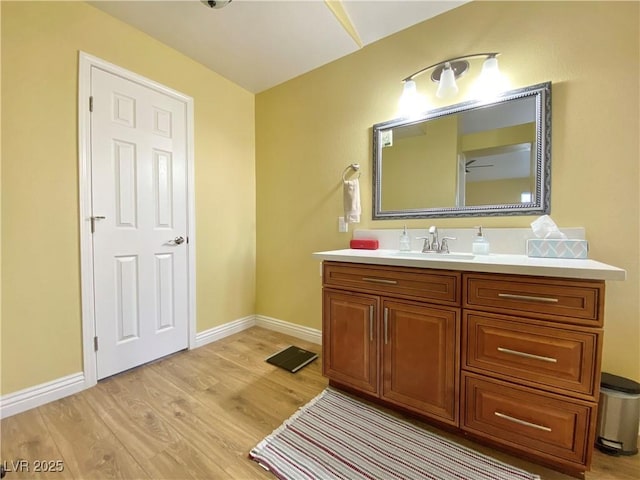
(557, 248)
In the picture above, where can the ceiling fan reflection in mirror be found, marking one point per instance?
(469, 165)
(216, 3)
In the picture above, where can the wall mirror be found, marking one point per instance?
(478, 158)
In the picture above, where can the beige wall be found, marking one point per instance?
(499, 137)
(310, 128)
(421, 171)
(491, 192)
(41, 311)
(0, 201)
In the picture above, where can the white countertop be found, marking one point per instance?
(492, 263)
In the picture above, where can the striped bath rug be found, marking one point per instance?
(337, 437)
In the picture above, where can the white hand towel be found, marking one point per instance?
(352, 201)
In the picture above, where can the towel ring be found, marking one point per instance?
(353, 166)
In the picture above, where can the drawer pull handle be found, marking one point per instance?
(380, 280)
(371, 323)
(522, 422)
(386, 326)
(528, 355)
(528, 298)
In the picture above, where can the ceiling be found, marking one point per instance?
(258, 44)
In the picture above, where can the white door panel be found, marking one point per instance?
(139, 186)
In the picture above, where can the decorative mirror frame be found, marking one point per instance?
(542, 204)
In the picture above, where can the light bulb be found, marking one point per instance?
(490, 70)
(491, 81)
(411, 103)
(447, 87)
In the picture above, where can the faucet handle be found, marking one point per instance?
(425, 247)
(444, 244)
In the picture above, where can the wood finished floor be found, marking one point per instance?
(194, 415)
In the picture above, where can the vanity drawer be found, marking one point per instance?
(570, 301)
(437, 286)
(547, 425)
(542, 355)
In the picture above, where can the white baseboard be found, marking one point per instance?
(222, 331)
(37, 395)
(305, 333)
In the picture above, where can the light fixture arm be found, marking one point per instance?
(450, 60)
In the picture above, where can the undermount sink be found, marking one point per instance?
(435, 256)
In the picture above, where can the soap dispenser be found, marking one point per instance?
(480, 245)
(405, 241)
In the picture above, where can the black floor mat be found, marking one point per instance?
(292, 358)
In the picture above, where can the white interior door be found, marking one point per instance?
(139, 217)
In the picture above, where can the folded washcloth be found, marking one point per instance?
(352, 201)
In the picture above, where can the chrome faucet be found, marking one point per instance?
(433, 232)
(432, 244)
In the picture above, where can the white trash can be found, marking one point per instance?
(618, 415)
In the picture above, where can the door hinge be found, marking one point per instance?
(95, 344)
(187, 239)
(91, 104)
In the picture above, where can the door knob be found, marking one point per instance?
(177, 241)
(93, 221)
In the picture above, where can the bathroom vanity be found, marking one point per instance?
(504, 348)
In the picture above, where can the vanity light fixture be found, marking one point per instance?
(445, 74)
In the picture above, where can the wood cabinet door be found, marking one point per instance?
(350, 339)
(420, 358)
(549, 426)
(538, 354)
(579, 302)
